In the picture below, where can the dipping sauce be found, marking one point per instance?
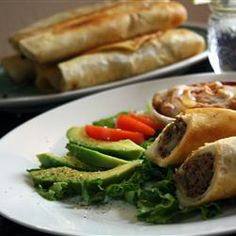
(182, 97)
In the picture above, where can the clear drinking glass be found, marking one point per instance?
(222, 35)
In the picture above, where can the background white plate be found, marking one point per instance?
(27, 97)
(20, 203)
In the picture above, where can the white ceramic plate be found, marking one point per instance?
(20, 203)
(27, 98)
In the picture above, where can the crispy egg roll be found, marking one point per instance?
(190, 131)
(55, 19)
(208, 174)
(19, 68)
(123, 60)
(118, 22)
(43, 85)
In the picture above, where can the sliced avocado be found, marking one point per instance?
(125, 149)
(49, 160)
(61, 182)
(95, 158)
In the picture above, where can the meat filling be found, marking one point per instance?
(171, 137)
(196, 174)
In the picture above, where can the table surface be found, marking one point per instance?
(12, 120)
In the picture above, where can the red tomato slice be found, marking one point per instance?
(127, 122)
(148, 120)
(113, 134)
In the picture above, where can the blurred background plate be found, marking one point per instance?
(26, 98)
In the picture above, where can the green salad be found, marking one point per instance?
(102, 165)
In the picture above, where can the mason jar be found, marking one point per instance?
(222, 35)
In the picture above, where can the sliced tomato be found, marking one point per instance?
(113, 134)
(148, 120)
(127, 122)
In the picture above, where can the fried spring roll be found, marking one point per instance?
(123, 60)
(55, 19)
(118, 22)
(208, 174)
(43, 85)
(189, 132)
(18, 68)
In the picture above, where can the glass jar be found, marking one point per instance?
(222, 35)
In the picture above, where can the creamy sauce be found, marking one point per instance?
(182, 97)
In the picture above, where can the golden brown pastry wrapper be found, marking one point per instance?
(123, 60)
(222, 184)
(203, 125)
(18, 68)
(117, 22)
(58, 18)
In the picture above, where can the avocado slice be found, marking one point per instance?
(95, 158)
(61, 182)
(49, 160)
(125, 149)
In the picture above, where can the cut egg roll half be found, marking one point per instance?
(188, 132)
(208, 174)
